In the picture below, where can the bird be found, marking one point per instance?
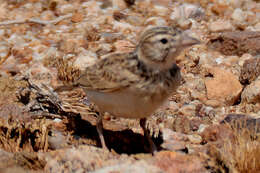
(136, 84)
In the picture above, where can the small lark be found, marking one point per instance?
(134, 85)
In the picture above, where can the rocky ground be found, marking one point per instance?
(211, 124)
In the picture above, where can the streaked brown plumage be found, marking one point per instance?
(134, 85)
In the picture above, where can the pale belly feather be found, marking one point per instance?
(127, 103)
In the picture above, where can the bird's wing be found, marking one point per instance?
(108, 75)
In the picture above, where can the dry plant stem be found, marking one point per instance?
(2, 60)
(37, 21)
(152, 146)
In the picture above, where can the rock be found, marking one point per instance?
(183, 14)
(213, 103)
(216, 133)
(251, 94)
(172, 162)
(165, 161)
(74, 159)
(22, 54)
(77, 17)
(165, 3)
(224, 87)
(156, 21)
(250, 70)
(173, 141)
(66, 8)
(238, 15)
(257, 26)
(119, 4)
(188, 110)
(236, 42)
(184, 24)
(220, 25)
(243, 59)
(241, 121)
(187, 11)
(220, 9)
(195, 139)
(230, 118)
(139, 166)
(56, 140)
(160, 10)
(202, 127)
(181, 124)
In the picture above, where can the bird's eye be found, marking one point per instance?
(164, 41)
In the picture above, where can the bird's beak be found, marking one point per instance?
(188, 40)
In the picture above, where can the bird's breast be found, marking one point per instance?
(128, 103)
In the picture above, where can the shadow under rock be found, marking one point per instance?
(125, 141)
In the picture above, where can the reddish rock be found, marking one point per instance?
(236, 42)
(172, 162)
(251, 94)
(220, 9)
(223, 87)
(215, 133)
(77, 17)
(22, 54)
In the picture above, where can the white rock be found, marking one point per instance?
(67, 8)
(186, 11)
(160, 10)
(220, 25)
(202, 127)
(195, 139)
(238, 15)
(219, 60)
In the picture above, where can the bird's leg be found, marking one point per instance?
(99, 127)
(153, 148)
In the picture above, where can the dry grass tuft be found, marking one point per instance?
(240, 154)
(30, 136)
(67, 72)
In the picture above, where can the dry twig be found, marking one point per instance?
(37, 21)
(2, 60)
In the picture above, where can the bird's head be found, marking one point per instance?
(159, 46)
